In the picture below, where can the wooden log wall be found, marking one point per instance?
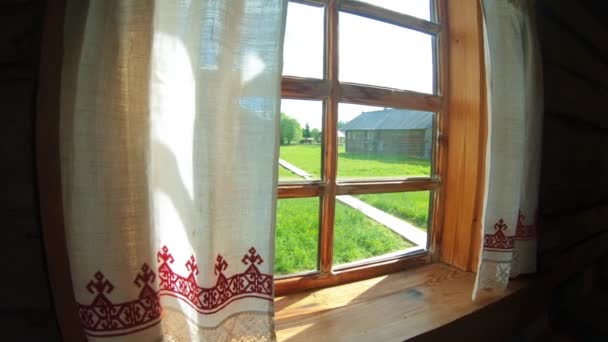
(573, 229)
(574, 176)
(26, 310)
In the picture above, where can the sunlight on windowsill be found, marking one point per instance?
(397, 306)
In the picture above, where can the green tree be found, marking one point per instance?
(341, 124)
(306, 132)
(316, 135)
(297, 131)
(290, 129)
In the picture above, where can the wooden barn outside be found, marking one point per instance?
(390, 132)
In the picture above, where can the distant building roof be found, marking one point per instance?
(393, 119)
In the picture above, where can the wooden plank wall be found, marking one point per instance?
(573, 222)
(26, 309)
(574, 177)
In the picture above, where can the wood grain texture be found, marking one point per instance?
(389, 308)
(561, 264)
(330, 142)
(440, 154)
(510, 318)
(388, 16)
(297, 284)
(300, 190)
(579, 226)
(345, 188)
(304, 88)
(575, 17)
(465, 142)
(567, 92)
(317, 3)
(387, 97)
(563, 48)
(49, 173)
(573, 149)
(573, 188)
(477, 228)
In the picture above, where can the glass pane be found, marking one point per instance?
(372, 225)
(385, 55)
(300, 151)
(303, 48)
(416, 8)
(411, 207)
(376, 142)
(297, 235)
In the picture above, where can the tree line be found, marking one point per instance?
(292, 132)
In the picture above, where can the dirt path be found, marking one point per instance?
(295, 169)
(403, 228)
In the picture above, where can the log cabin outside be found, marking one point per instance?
(357, 213)
(390, 132)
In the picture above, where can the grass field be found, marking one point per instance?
(355, 165)
(356, 236)
(306, 157)
(409, 206)
(351, 165)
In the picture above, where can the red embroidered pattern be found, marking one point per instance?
(250, 283)
(499, 241)
(104, 318)
(524, 231)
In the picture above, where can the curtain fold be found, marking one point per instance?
(514, 88)
(169, 143)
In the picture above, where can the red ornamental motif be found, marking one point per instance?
(104, 318)
(498, 241)
(524, 231)
(250, 283)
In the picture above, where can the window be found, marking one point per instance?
(362, 168)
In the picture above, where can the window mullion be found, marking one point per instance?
(385, 15)
(304, 88)
(440, 148)
(330, 155)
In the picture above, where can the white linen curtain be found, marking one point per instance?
(515, 98)
(169, 149)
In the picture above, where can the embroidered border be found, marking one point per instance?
(499, 241)
(102, 315)
(104, 318)
(524, 231)
(250, 283)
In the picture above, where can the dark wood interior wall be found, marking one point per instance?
(26, 312)
(574, 179)
(574, 176)
(573, 208)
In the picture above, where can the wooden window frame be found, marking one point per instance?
(460, 165)
(456, 183)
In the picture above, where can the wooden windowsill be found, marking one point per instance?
(394, 307)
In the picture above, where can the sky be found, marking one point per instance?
(371, 52)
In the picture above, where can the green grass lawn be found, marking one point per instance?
(287, 175)
(356, 237)
(409, 206)
(356, 165)
(306, 157)
(351, 165)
